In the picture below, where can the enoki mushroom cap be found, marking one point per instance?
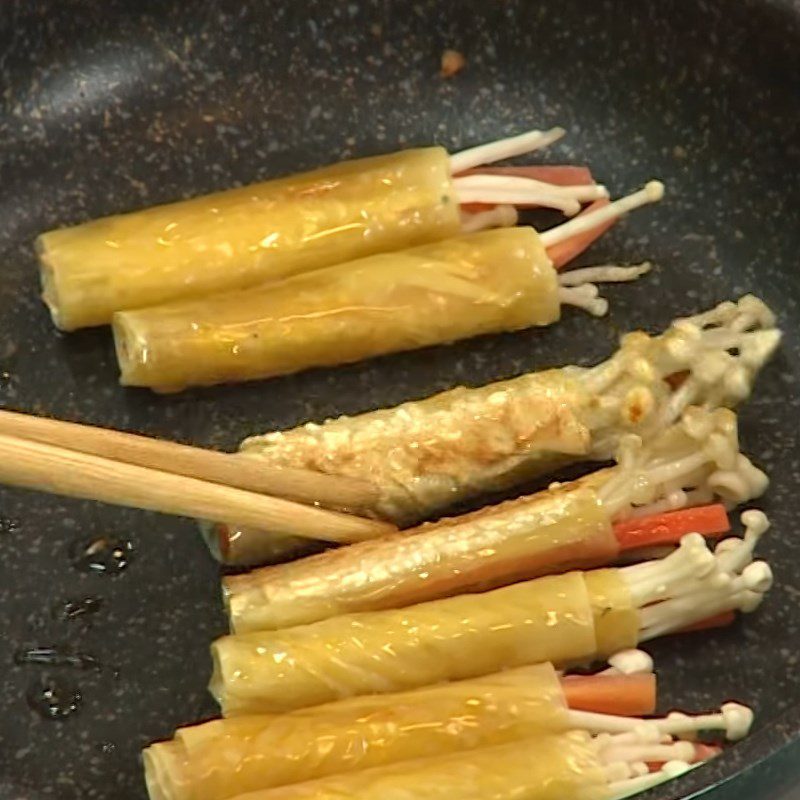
(672, 594)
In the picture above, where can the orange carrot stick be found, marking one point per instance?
(621, 695)
(668, 528)
(563, 252)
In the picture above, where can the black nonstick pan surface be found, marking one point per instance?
(110, 106)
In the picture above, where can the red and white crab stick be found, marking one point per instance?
(267, 231)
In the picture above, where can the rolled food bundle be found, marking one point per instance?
(572, 765)
(572, 618)
(545, 768)
(223, 758)
(692, 463)
(479, 283)
(271, 230)
(484, 282)
(427, 454)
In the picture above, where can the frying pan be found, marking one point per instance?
(108, 106)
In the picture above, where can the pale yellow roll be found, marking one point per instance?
(561, 767)
(548, 532)
(616, 620)
(487, 282)
(238, 238)
(548, 619)
(224, 758)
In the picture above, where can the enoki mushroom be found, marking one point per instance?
(504, 192)
(579, 288)
(709, 360)
(693, 583)
(695, 462)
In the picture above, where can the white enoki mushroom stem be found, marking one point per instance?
(503, 216)
(675, 500)
(693, 462)
(710, 360)
(624, 757)
(628, 787)
(522, 191)
(743, 593)
(705, 341)
(747, 313)
(718, 376)
(688, 341)
(651, 193)
(503, 149)
(629, 662)
(734, 555)
(733, 721)
(681, 751)
(578, 287)
(692, 584)
(603, 274)
(670, 576)
(585, 297)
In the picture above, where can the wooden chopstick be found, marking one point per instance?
(35, 465)
(231, 469)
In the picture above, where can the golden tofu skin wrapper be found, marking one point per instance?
(426, 454)
(616, 621)
(378, 652)
(551, 531)
(225, 758)
(241, 237)
(487, 282)
(563, 767)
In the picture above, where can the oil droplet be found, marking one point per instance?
(80, 609)
(56, 656)
(53, 697)
(8, 526)
(107, 748)
(105, 556)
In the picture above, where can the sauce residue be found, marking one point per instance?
(56, 656)
(53, 697)
(8, 525)
(80, 609)
(104, 556)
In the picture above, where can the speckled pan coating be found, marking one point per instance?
(104, 109)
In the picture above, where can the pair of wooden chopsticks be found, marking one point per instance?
(125, 469)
